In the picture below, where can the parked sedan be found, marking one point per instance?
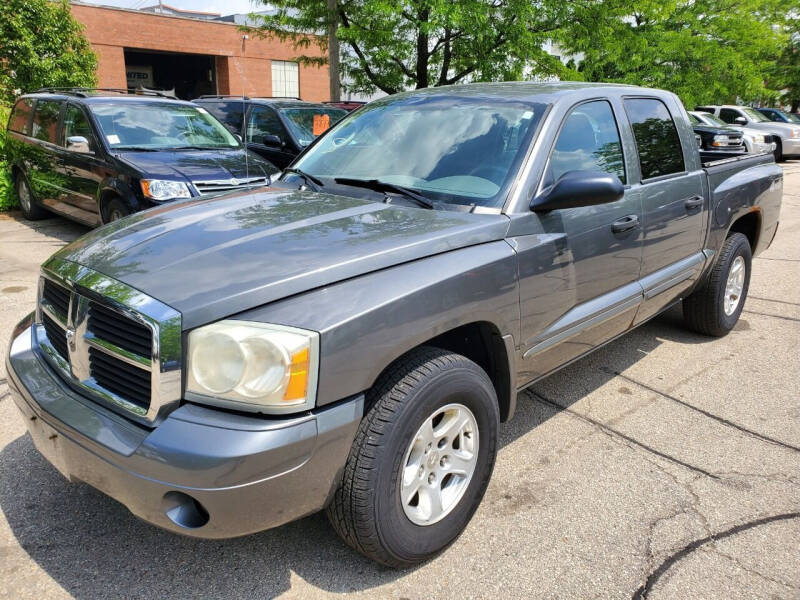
(755, 141)
(95, 156)
(785, 135)
(717, 141)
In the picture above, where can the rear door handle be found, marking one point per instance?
(625, 224)
(693, 202)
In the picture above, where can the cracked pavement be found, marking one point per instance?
(664, 465)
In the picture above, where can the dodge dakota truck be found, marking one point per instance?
(351, 338)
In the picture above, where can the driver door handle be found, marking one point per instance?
(625, 224)
(693, 202)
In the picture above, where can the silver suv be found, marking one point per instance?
(785, 135)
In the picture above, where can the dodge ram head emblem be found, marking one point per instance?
(71, 338)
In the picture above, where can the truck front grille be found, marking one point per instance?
(123, 379)
(119, 330)
(121, 347)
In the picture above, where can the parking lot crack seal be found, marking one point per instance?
(643, 591)
(618, 434)
(746, 569)
(710, 415)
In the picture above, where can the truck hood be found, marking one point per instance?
(212, 258)
(198, 165)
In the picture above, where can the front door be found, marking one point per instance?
(80, 165)
(579, 267)
(267, 136)
(674, 204)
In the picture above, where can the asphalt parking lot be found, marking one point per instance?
(665, 465)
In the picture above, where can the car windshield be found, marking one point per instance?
(449, 148)
(712, 120)
(160, 126)
(792, 118)
(309, 122)
(754, 115)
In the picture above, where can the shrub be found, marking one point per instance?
(8, 199)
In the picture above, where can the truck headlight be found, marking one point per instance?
(253, 366)
(164, 189)
(720, 140)
(758, 139)
(796, 133)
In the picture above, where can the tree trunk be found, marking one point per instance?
(422, 49)
(333, 52)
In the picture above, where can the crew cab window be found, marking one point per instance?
(21, 116)
(588, 141)
(45, 120)
(263, 121)
(729, 115)
(656, 136)
(76, 124)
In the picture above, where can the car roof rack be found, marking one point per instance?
(83, 92)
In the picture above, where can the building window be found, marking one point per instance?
(285, 79)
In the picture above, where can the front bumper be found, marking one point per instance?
(200, 472)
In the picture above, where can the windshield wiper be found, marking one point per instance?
(385, 186)
(315, 183)
(136, 148)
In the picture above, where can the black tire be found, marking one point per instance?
(114, 209)
(778, 152)
(366, 510)
(704, 310)
(27, 201)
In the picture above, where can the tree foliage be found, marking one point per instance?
(41, 44)
(706, 51)
(392, 46)
(784, 77)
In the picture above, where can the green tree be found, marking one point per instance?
(393, 46)
(706, 51)
(785, 76)
(41, 44)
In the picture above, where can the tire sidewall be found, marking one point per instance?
(109, 209)
(741, 247)
(21, 181)
(404, 539)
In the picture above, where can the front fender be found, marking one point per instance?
(367, 322)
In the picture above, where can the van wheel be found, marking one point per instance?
(714, 308)
(31, 210)
(421, 460)
(115, 210)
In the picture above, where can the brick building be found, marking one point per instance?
(194, 56)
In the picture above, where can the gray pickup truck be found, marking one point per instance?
(350, 338)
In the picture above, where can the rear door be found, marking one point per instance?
(671, 184)
(579, 267)
(42, 159)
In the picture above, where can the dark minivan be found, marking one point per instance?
(276, 128)
(95, 156)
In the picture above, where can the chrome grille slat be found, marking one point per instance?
(228, 185)
(117, 344)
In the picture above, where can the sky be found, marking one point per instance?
(224, 7)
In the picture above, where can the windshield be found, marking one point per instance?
(448, 148)
(754, 115)
(693, 120)
(712, 120)
(160, 126)
(792, 118)
(307, 123)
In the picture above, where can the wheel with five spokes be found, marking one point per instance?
(421, 460)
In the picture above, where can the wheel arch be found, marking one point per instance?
(748, 224)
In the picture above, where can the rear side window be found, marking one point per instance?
(45, 120)
(729, 115)
(588, 141)
(772, 116)
(656, 137)
(229, 113)
(21, 116)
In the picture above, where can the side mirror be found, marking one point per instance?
(78, 143)
(238, 137)
(740, 121)
(579, 188)
(272, 140)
